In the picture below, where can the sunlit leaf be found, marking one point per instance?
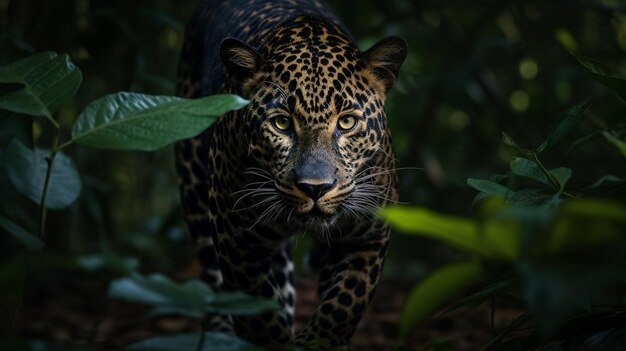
(604, 75)
(131, 121)
(435, 290)
(496, 237)
(29, 240)
(527, 168)
(26, 169)
(38, 85)
(458, 232)
(189, 342)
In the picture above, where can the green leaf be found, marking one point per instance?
(527, 197)
(619, 144)
(31, 242)
(189, 342)
(193, 298)
(435, 290)
(530, 169)
(458, 232)
(566, 122)
(107, 261)
(130, 121)
(604, 75)
(561, 175)
(26, 169)
(38, 85)
(508, 141)
(496, 238)
(607, 180)
(488, 187)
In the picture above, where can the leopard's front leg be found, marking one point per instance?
(348, 280)
(264, 271)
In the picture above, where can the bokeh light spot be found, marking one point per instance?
(519, 100)
(528, 68)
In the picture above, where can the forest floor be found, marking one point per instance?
(76, 311)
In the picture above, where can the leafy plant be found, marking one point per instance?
(538, 230)
(193, 299)
(38, 86)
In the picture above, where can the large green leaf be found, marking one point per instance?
(566, 122)
(561, 175)
(190, 342)
(496, 237)
(530, 169)
(458, 232)
(29, 240)
(26, 169)
(604, 75)
(193, 298)
(488, 187)
(435, 290)
(38, 85)
(131, 121)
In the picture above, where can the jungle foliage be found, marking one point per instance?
(514, 110)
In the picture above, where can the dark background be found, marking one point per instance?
(474, 70)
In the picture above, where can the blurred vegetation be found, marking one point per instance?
(475, 69)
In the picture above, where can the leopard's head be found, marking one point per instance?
(316, 127)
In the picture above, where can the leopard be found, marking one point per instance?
(310, 154)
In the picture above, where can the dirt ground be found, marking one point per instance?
(77, 312)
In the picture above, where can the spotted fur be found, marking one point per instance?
(311, 153)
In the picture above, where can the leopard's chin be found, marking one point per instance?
(316, 218)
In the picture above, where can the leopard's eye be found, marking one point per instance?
(346, 122)
(282, 123)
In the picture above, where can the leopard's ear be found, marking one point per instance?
(384, 59)
(241, 60)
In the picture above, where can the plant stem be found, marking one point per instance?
(51, 120)
(554, 182)
(202, 334)
(43, 212)
(65, 144)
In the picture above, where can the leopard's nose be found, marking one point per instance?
(315, 190)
